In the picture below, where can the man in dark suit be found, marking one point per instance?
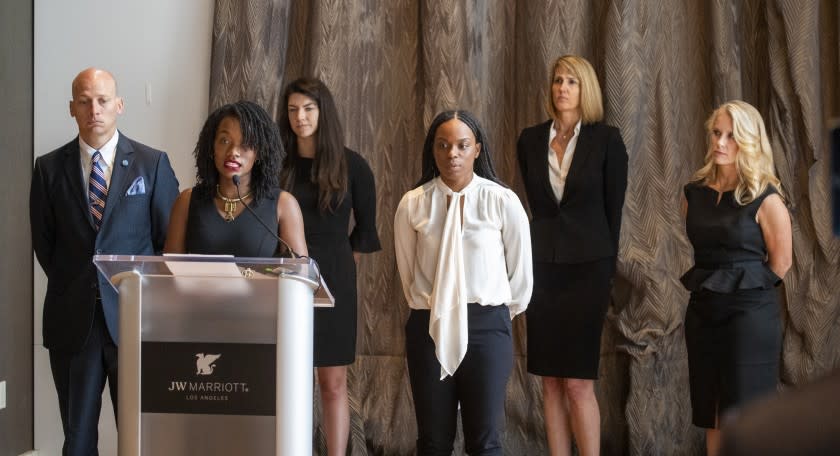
(101, 193)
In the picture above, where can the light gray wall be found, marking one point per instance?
(159, 52)
(15, 246)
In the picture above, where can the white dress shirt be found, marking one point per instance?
(108, 151)
(448, 258)
(557, 172)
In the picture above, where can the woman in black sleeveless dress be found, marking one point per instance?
(238, 139)
(330, 181)
(741, 232)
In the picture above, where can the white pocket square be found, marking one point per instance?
(138, 187)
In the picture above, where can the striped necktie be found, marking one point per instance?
(97, 190)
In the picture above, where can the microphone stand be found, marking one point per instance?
(279, 239)
(294, 254)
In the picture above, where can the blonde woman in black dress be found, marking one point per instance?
(575, 173)
(330, 182)
(741, 232)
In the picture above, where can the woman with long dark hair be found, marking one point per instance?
(464, 256)
(330, 182)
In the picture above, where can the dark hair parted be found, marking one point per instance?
(329, 168)
(258, 133)
(483, 165)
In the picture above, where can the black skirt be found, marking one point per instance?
(734, 342)
(566, 316)
(335, 327)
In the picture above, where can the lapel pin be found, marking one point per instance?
(124, 163)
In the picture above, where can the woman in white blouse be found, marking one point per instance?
(463, 250)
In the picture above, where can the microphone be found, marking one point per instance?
(279, 239)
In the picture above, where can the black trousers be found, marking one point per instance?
(478, 385)
(79, 381)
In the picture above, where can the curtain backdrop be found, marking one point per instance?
(663, 66)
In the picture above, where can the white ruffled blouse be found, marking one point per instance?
(448, 258)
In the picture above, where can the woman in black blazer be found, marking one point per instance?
(575, 173)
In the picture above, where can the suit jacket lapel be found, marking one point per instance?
(73, 174)
(541, 147)
(583, 146)
(119, 176)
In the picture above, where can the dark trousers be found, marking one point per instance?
(79, 380)
(478, 385)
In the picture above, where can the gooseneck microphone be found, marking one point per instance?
(279, 239)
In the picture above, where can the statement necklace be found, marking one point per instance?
(230, 203)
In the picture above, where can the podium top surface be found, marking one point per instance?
(207, 266)
(220, 266)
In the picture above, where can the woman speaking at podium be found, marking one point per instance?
(237, 157)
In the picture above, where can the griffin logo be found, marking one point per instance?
(204, 363)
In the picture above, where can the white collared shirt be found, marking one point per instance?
(557, 172)
(108, 151)
(495, 241)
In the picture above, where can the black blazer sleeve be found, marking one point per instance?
(165, 191)
(615, 183)
(41, 219)
(522, 147)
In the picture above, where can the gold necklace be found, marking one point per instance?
(566, 135)
(230, 203)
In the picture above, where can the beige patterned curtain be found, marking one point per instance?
(663, 65)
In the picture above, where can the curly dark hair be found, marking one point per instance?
(259, 132)
(483, 165)
(329, 168)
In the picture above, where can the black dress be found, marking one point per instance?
(330, 245)
(732, 327)
(208, 232)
